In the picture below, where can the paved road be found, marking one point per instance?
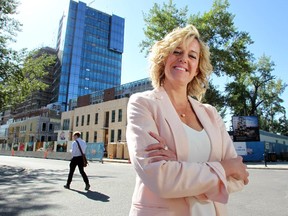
(31, 186)
(38, 189)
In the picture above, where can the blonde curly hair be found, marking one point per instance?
(161, 49)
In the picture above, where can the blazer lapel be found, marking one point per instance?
(175, 124)
(208, 125)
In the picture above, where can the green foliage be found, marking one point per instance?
(160, 21)
(228, 46)
(253, 89)
(216, 99)
(20, 72)
(229, 54)
(258, 94)
(25, 78)
(8, 25)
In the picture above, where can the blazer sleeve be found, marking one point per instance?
(168, 179)
(229, 152)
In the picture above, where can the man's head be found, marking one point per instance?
(76, 134)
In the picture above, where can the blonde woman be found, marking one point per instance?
(184, 158)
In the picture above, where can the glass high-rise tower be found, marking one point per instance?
(90, 46)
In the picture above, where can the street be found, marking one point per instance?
(33, 186)
(38, 190)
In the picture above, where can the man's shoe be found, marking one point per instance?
(67, 186)
(87, 187)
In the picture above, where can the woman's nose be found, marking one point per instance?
(182, 59)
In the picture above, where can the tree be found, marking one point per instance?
(253, 90)
(20, 71)
(257, 93)
(27, 79)
(283, 125)
(216, 99)
(160, 21)
(227, 45)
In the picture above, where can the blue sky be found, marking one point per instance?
(265, 21)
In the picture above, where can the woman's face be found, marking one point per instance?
(182, 64)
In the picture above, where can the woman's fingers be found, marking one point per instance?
(160, 145)
(162, 154)
(156, 146)
(159, 151)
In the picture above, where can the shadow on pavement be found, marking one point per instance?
(23, 189)
(93, 195)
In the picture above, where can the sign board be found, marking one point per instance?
(63, 135)
(240, 148)
(245, 128)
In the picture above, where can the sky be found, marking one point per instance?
(265, 21)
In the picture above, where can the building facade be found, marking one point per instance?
(34, 126)
(35, 101)
(89, 46)
(100, 116)
(104, 122)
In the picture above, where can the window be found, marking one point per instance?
(112, 136)
(42, 138)
(50, 127)
(77, 121)
(96, 118)
(31, 139)
(120, 115)
(95, 136)
(44, 127)
(82, 120)
(113, 116)
(119, 135)
(106, 119)
(66, 123)
(87, 137)
(88, 119)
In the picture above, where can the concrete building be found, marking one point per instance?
(273, 138)
(36, 101)
(34, 126)
(101, 116)
(104, 122)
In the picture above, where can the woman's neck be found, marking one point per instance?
(178, 95)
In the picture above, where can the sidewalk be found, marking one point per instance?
(270, 165)
(6, 170)
(250, 165)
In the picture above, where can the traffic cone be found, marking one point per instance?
(12, 152)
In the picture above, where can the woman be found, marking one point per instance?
(184, 158)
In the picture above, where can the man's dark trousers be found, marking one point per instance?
(77, 161)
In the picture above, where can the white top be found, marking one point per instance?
(199, 151)
(75, 150)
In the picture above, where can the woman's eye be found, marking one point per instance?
(192, 56)
(176, 52)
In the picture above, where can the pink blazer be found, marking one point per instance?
(162, 187)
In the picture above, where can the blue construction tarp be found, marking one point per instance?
(95, 151)
(255, 151)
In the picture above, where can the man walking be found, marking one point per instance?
(77, 160)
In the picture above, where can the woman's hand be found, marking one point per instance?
(159, 151)
(236, 168)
